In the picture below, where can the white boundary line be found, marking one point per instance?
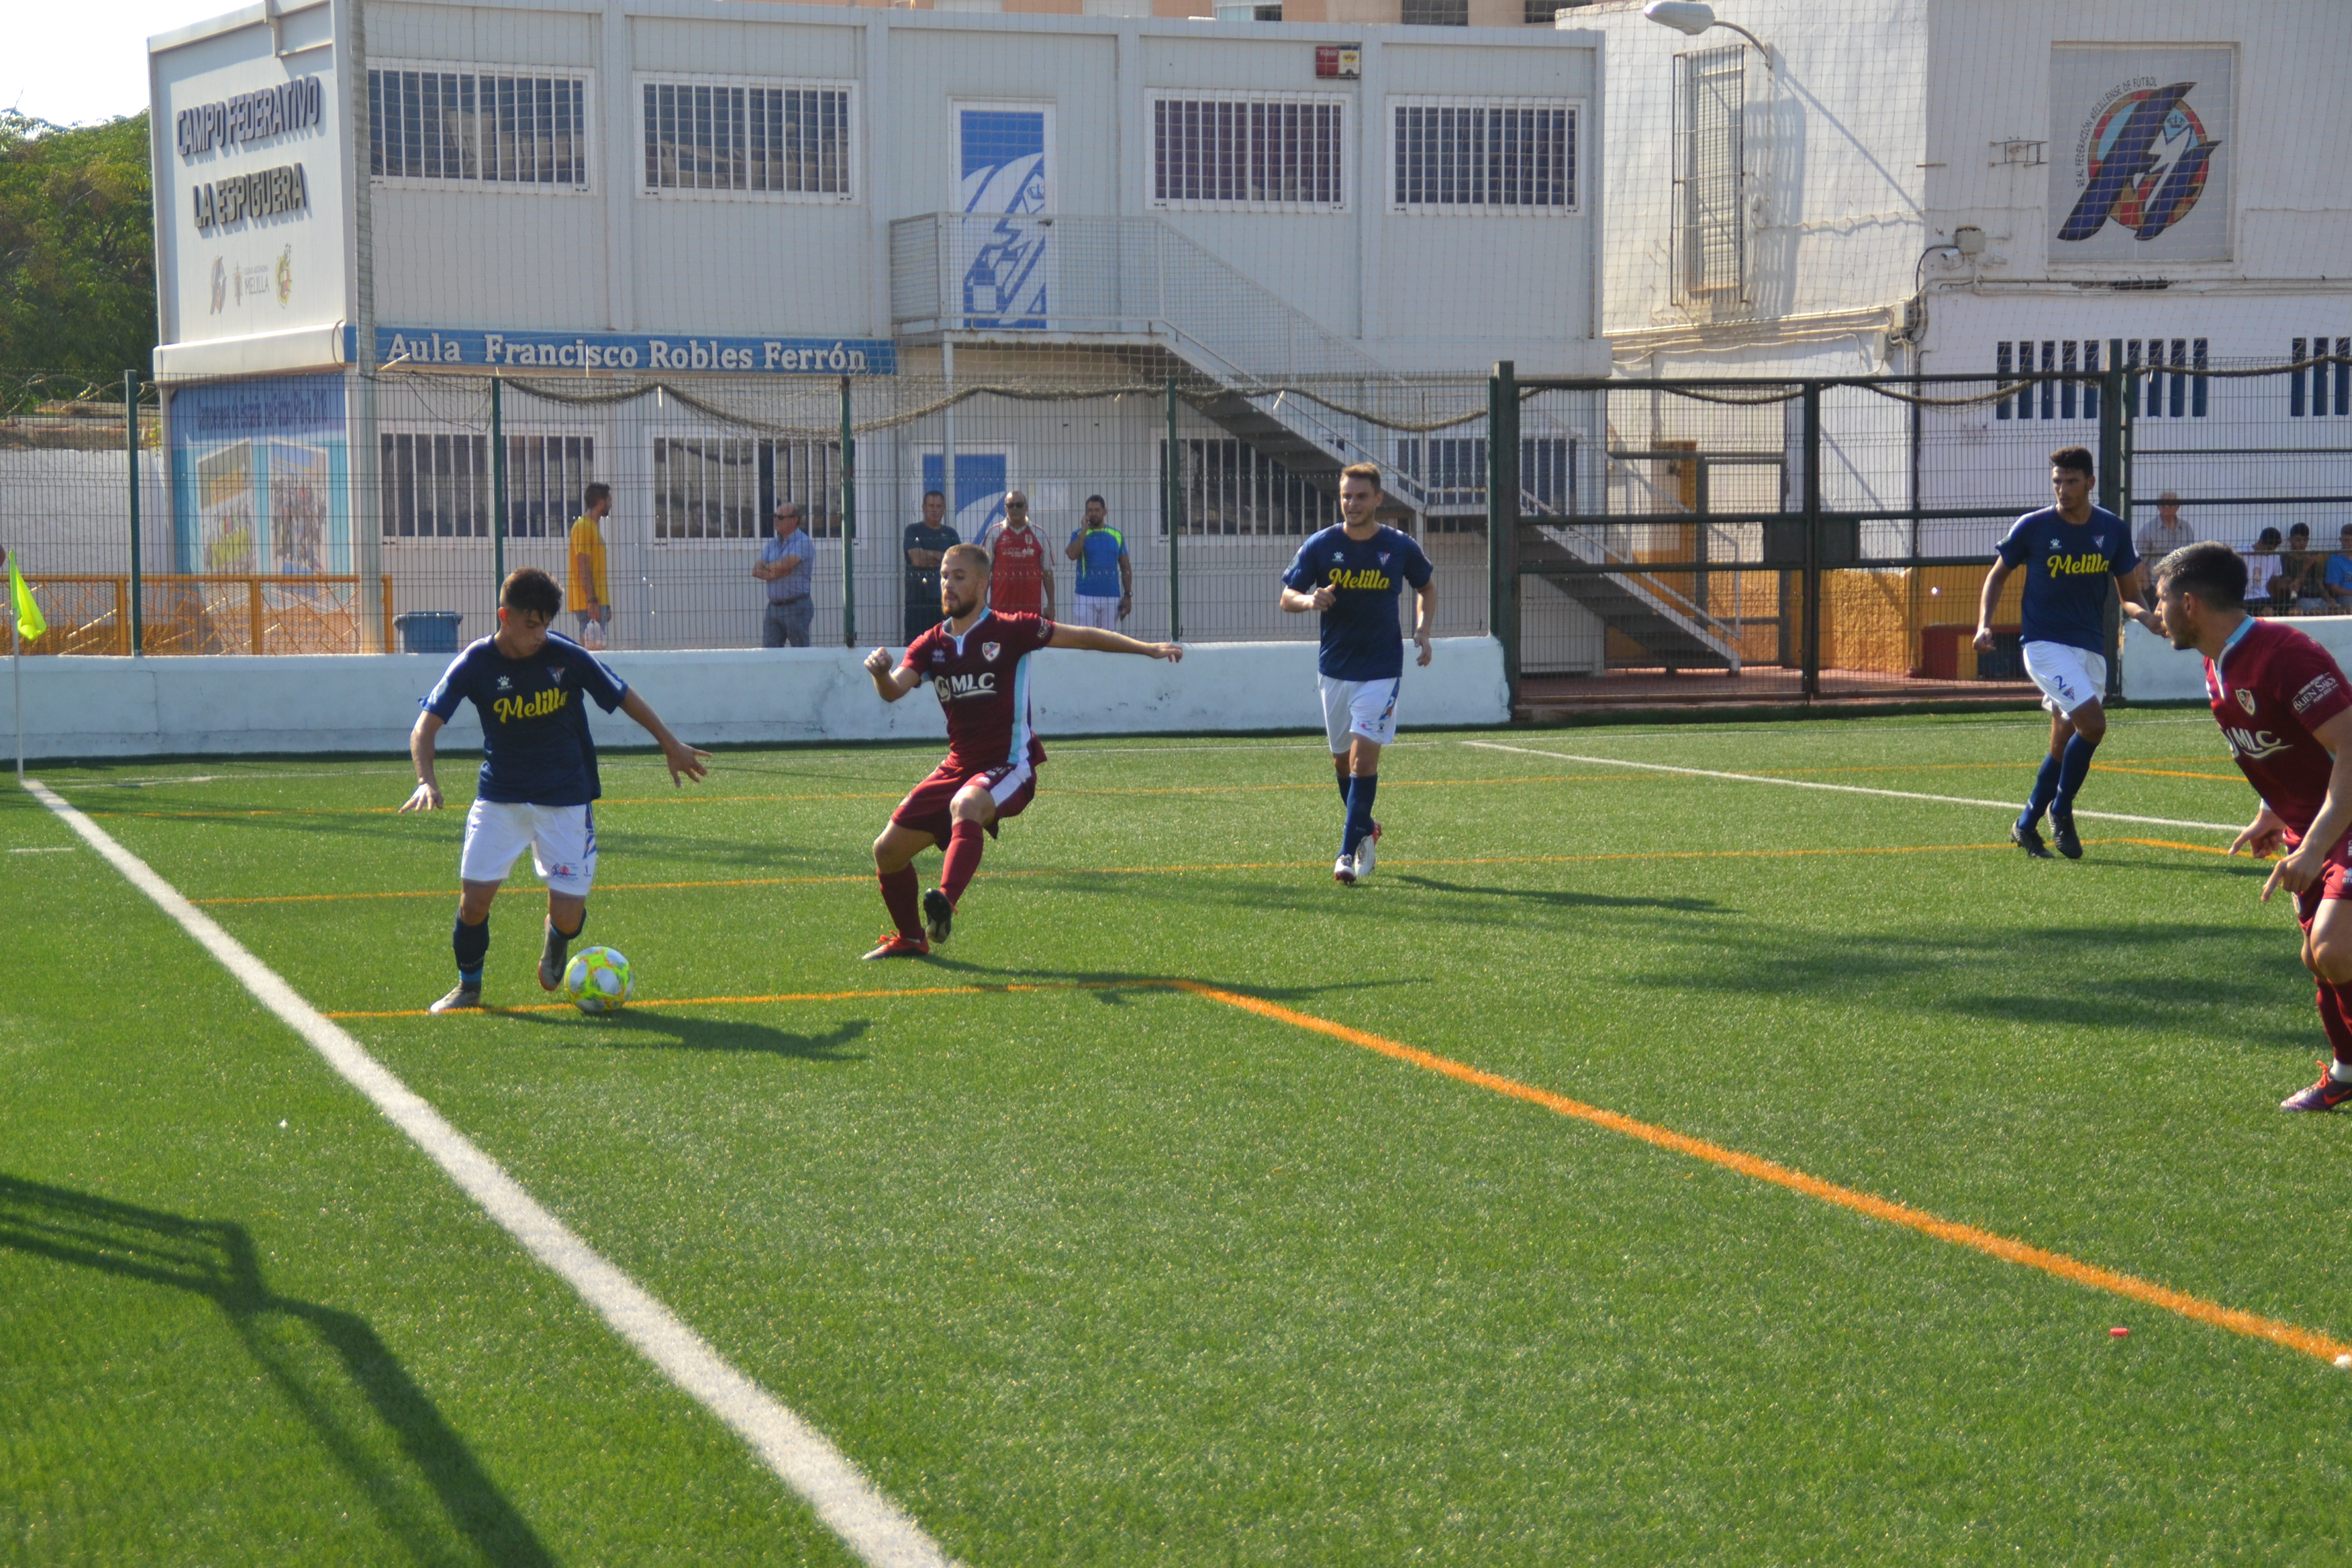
(2007, 806)
(873, 1527)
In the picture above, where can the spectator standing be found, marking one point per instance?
(2336, 581)
(2263, 578)
(1020, 583)
(2167, 533)
(925, 543)
(787, 565)
(591, 605)
(1106, 585)
(2300, 569)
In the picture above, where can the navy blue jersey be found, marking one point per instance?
(1361, 637)
(2067, 565)
(535, 745)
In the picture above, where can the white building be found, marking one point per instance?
(748, 202)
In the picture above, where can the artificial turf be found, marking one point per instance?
(1104, 1271)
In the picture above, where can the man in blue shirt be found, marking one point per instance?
(785, 565)
(1353, 574)
(539, 770)
(1105, 588)
(2070, 552)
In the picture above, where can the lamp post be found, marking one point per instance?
(1688, 17)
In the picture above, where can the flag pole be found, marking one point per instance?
(17, 681)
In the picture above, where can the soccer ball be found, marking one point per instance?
(597, 980)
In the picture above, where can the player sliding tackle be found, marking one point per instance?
(2068, 550)
(1353, 574)
(978, 662)
(2286, 714)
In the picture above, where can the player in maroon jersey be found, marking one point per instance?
(2287, 712)
(977, 659)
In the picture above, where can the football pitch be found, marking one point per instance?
(1646, 1165)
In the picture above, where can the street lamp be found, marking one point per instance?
(1688, 17)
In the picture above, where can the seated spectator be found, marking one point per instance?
(2336, 581)
(2301, 569)
(2263, 576)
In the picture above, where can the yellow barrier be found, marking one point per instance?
(207, 614)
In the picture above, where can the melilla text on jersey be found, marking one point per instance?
(1368, 577)
(538, 705)
(2094, 564)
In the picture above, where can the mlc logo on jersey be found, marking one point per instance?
(2252, 744)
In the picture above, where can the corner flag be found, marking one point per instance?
(29, 624)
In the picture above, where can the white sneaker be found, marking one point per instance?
(1367, 850)
(1343, 870)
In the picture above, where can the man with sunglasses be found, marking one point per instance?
(1020, 583)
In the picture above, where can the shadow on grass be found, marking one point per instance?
(669, 1031)
(1563, 899)
(1115, 989)
(455, 1512)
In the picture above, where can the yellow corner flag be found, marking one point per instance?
(29, 624)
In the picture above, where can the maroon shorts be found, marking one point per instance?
(925, 809)
(2334, 882)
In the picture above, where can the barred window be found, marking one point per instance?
(439, 486)
(1231, 488)
(2321, 376)
(427, 124)
(773, 140)
(728, 487)
(1452, 472)
(1497, 155)
(1710, 127)
(1258, 150)
(2175, 391)
(1435, 13)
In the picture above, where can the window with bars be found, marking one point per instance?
(1451, 470)
(1710, 131)
(527, 127)
(782, 140)
(2175, 391)
(1493, 155)
(728, 487)
(1231, 488)
(2307, 390)
(1435, 13)
(439, 486)
(1248, 152)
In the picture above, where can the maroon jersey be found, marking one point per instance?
(983, 682)
(1016, 572)
(2272, 687)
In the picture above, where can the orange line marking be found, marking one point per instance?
(2006, 1248)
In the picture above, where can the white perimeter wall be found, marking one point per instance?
(2155, 671)
(121, 707)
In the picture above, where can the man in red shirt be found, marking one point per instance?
(2287, 712)
(1019, 581)
(977, 660)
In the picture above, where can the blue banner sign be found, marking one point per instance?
(629, 351)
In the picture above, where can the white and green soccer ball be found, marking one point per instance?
(597, 980)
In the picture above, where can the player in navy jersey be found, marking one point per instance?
(539, 770)
(2070, 553)
(2287, 712)
(1353, 574)
(977, 660)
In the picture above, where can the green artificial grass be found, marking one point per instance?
(1101, 1270)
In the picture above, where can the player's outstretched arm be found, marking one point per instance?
(1299, 604)
(2132, 588)
(427, 796)
(1094, 639)
(2308, 863)
(682, 760)
(1424, 615)
(892, 682)
(1986, 601)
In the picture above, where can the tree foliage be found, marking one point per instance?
(76, 246)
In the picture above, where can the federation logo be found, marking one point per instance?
(989, 650)
(220, 285)
(2246, 701)
(285, 275)
(2148, 158)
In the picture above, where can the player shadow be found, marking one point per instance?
(666, 1031)
(1116, 989)
(455, 1512)
(1563, 900)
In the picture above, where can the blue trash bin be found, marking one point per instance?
(428, 631)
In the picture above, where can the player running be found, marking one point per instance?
(977, 659)
(2286, 714)
(2069, 552)
(1351, 574)
(539, 770)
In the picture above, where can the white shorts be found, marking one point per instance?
(562, 840)
(1092, 610)
(2068, 676)
(1366, 708)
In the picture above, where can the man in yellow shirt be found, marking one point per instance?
(589, 604)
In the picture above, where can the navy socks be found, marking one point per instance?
(2046, 790)
(1360, 790)
(2073, 769)
(471, 944)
